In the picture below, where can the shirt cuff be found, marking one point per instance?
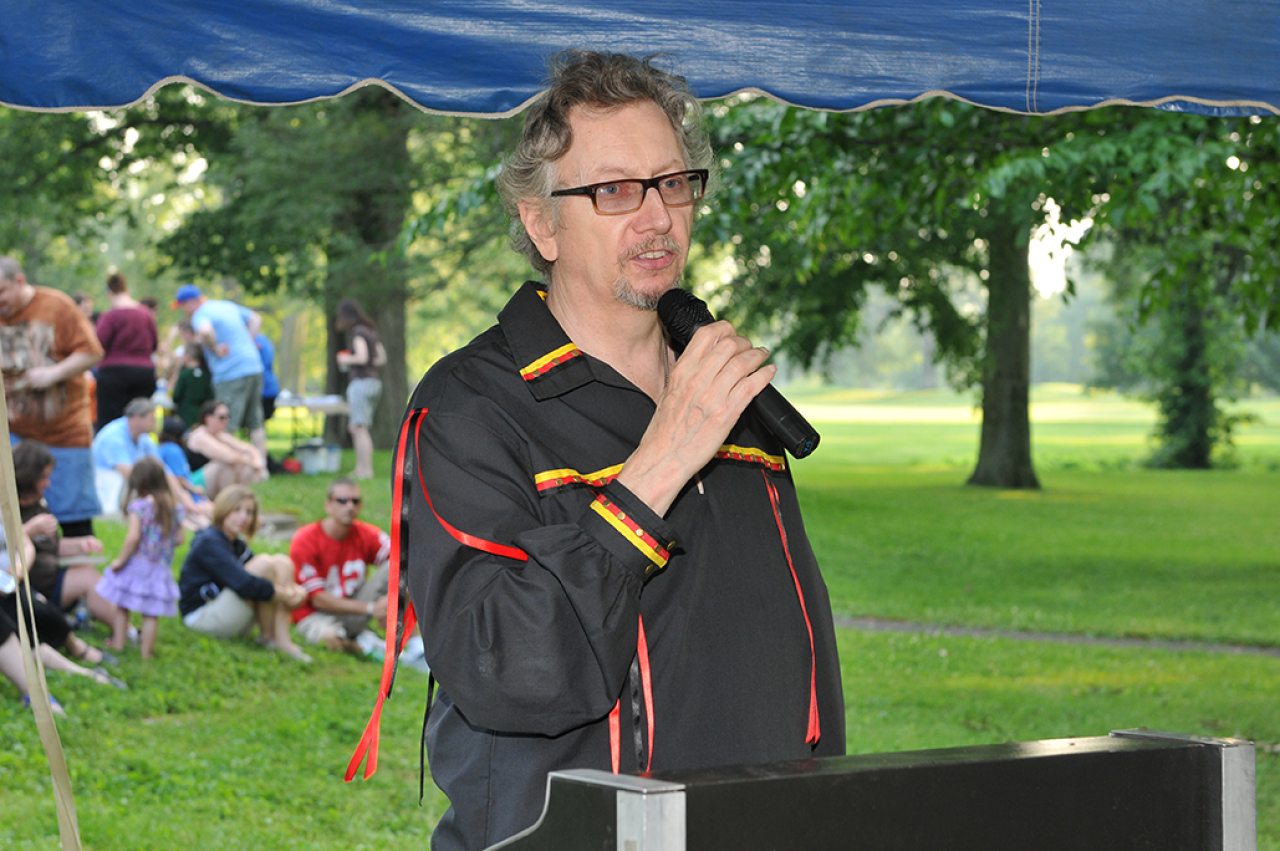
(630, 530)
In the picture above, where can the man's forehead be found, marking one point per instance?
(344, 490)
(598, 154)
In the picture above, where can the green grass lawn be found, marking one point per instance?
(1138, 553)
(223, 746)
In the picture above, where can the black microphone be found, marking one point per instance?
(683, 313)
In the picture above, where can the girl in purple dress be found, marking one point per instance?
(140, 579)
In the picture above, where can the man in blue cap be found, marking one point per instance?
(226, 331)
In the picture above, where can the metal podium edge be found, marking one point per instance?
(650, 812)
(1239, 783)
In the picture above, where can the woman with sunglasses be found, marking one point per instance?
(230, 461)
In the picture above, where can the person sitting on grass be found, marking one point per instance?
(60, 585)
(224, 588)
(47, 622)
(11, 662)
(123, 442)
(230, 461)
(172, 451)
(332, 560)
(51, 625)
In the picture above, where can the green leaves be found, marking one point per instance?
(894, 198)
(924, 183)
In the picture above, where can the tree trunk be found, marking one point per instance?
(1004, 456)
(390, 316)
(363, 262)
(1188, 409)
(335, 381)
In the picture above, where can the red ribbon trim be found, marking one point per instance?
(615, 737)
(368, 745)
(369, 740)
(646, 685)
(458, 535)
(646, 681)
(814, 732)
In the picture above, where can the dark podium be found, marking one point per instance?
(1134, 789)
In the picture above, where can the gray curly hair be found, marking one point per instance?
(10, 269)
(607, 80)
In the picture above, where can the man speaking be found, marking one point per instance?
(606, 555)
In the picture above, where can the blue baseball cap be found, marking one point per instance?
(186, 293)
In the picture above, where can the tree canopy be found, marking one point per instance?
(933, 203)
(927, 200)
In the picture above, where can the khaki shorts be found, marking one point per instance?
(225, 616)
(243, 398)
(317, 626)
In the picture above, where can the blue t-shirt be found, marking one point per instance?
(175, 460)
(228, 322)
(113, 445)
(270, 386)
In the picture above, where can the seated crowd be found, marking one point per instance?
(332, 586)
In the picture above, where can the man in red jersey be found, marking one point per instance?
(342, 564)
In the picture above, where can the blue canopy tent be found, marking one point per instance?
(486, 57)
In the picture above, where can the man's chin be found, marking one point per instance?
(642, 298)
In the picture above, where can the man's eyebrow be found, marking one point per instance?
(605, 173)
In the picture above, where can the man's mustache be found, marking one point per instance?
(653, 243)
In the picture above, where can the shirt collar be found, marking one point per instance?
(546, 358)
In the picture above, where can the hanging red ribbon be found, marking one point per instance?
(615, 725)
(814, 732)
(369, 741)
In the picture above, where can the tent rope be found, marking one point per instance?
(37, 687)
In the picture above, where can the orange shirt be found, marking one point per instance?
(46, 332)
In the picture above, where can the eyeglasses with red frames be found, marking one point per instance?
(615, 197)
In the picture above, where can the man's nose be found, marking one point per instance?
(653, 210)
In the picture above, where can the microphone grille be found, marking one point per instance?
(682, 313)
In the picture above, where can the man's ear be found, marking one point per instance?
(536, 219)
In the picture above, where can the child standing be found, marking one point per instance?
(140, 579)
(194, 385)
